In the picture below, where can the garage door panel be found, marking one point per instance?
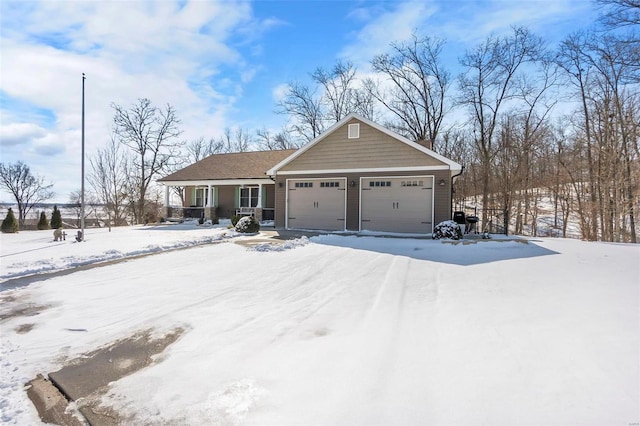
(397, 204)
(316, 204)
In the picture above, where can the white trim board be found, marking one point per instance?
(365, 170)
(219, 182)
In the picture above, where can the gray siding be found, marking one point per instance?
(373, 149)
(226, 201)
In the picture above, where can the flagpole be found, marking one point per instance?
(82, 186)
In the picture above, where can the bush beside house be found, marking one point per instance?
(447, 229)
(247, 225)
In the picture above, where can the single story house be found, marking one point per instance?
(356, 176)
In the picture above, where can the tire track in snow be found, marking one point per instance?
(373, 360)
(302, 305)
(392, 287)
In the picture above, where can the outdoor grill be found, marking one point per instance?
(472, 221)
(467, 223)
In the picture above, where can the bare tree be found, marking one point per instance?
(487, 83)
(340, 96)
(75, 199)
(620, 98)
(281, 140)
(151, 134)
(571, 58)
(27, 189)
(304, 110)
(622, 20)
(194, 151)
(198, 149)
(336, 94)
(418, 87)
(620, 13)
(606, 87)
(532, 132)
(235, 140)
(108, 179)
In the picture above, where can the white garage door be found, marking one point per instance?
(397, 204)
(316, 204)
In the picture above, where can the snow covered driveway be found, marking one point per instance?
(351, 330)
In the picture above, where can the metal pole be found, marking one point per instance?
(82, 186)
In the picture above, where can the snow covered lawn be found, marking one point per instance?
(341, 330)
(32, 252)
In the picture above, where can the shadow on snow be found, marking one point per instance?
(463, 253)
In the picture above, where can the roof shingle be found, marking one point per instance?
(237, 165)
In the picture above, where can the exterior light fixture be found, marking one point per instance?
(352, 183)
(442, 182)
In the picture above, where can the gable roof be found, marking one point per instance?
(237, 165)
(452, 164)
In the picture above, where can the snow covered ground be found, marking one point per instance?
(335, 330)
(32, 252)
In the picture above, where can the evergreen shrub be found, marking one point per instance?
(9, 224)
(56, 218)
(447, 229)
(43, 223)
(247, 225)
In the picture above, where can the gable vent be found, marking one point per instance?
(354, 131)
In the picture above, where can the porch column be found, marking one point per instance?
(210, 210)
(258, 210)
(259, 205)
(166, 210)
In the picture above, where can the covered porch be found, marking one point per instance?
(216, 199)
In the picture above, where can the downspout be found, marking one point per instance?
(452, 178)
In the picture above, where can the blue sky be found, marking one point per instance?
(220, 64)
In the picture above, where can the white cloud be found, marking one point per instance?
(19, 133)
(384, 28)
(279, 92)
(172, 52)
(462, 23)
(472, 22)
(50, 146)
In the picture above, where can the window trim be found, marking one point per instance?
(353, 131)
(204, 198)
(250, 197)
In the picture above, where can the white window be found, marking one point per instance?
(329, 184)
(249, 196)
(376, 183)
(354, 131)
(200, 197)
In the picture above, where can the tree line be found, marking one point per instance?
(527, 123)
